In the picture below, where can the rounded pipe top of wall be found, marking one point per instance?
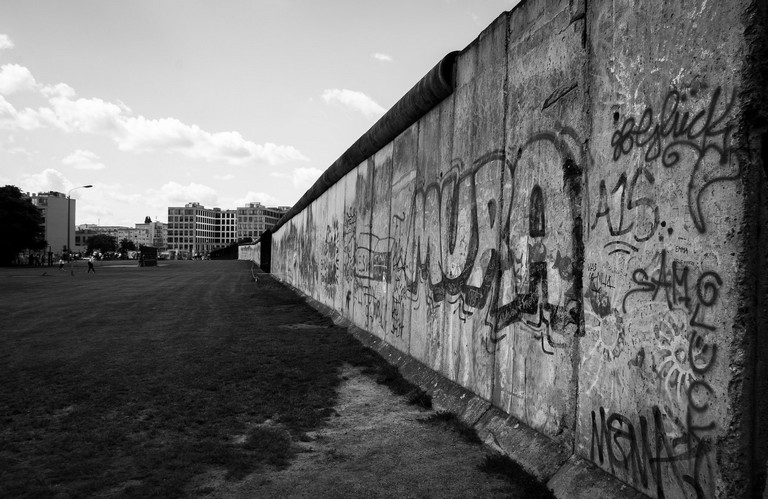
(435, 86)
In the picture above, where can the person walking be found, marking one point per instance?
(61, 263)
(90, 265)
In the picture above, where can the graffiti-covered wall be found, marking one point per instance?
(574, 234)
(250, 252)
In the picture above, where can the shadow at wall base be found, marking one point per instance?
(568, 475)
(266, 250)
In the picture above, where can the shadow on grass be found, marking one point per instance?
(450, 421)
(388, 375)
(503, 466)
(522, 483)
(150, 385)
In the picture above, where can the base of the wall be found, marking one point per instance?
(569, 476)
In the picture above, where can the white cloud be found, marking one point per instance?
(226, 176)
(47, 180)
(301, 177)
(257, 197)
(106, 202)
(306, 176)
(175, 194)
(14, 78)
(58, 90)
(5, 42)
(11, 118)
(20, 151)
(353, 99)
(84, 160)
(133, 133)
(84, 115)
(382, 57)
(92, 201)
(169, 134)
(93, 213)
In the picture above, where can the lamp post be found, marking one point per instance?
(69, 210)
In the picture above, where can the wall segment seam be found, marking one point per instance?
(504, 172)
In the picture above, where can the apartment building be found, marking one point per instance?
(255, 218)
(145, 234)
(153, 234)
(53, 208)
(119, 232)
(196, 230)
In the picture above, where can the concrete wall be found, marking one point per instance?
(250, 252)
(577, 235)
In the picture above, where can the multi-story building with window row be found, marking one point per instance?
(153, 234)
(144, 234)
(196, 230)
(255, 218)
(53, 208)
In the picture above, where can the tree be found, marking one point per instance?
(127, 245)
(21, 224)
(102, 242)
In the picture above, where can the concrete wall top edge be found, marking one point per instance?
(437, 84)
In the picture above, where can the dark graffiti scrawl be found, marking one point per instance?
(348, 260)
(680, 443)
(329, 264)
(445, 252)
(398, 259)
(705, 133)
(645, 225)
(647, 454)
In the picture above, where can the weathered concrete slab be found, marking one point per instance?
(580, 479)
(578, 235)
(347, 246)
(426, 284)
(402, 276)
(538, 303)
(361, 211)
(536, 453)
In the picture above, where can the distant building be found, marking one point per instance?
(144, 234)
(85, 231)
(153, 234)
(196, 230)
(255, 218)
(53, 208)
(82, 234)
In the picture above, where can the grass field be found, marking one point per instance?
(133, 380)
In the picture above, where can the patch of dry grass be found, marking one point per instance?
(451, 422)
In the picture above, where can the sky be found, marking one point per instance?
(162, 103)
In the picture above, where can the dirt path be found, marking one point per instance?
(377, 446)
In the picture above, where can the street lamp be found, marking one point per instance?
(69, 210)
